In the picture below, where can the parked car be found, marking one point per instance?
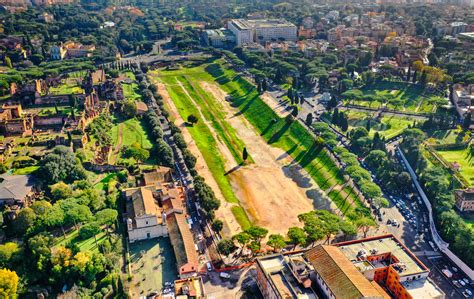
(224, 275)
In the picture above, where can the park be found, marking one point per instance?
(287, 172)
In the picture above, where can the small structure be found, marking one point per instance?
(285, 276)
(189, 288)
(16, 189)
(464, 199)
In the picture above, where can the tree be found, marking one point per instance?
(242, 238)
(276, 241)
(370, 189)
(309, 119)
(332, 102)
(467, 121)
(8, 252)
(226, 247)
(256, 233)
(89, 230)
(264, 84)
(60, 190)
(296, 236)
(294, 112)
(245, 154)
(192, 119)
(23, 221)
(76, 213)
(8, 283)
(365, 224)
(335, 116)
(61, 165)
(217, 225)
(189, 159)
(106, 216)
(129, 109)
(8, 62)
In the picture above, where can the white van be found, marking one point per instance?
(209, 266)
(224, 275)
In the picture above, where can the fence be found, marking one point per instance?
(442, 245)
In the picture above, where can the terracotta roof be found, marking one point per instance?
(144, 202)
(159, 175)
(340, 275)
(141, 107)
(179, 231)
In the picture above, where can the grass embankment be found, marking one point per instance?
(204, 138)
(289, 136)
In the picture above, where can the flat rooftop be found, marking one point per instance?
(381, 245)
(244, 24)
(467, 35)
(278, 272)
(423, 289)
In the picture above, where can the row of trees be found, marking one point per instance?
(317, 225)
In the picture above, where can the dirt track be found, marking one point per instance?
(224, 212)
(272, 193)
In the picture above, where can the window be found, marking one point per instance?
(147, 222)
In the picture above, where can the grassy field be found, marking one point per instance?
(84, 245)
(289, 136)
(397, 96)
(387, 126)
(130, 90)
(464, 158)
(133, 131)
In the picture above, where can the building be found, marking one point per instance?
(71, 49)
(13, 122)
(463, 97)
(189, 288)
(464, 199)
(457, 27)
(285, 276)
(262, 30)
(158, 209)
(144, 217)
(219, 38)
(16, 189)
(376, 267)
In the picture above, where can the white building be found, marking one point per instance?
(145, 219)
(262, 30)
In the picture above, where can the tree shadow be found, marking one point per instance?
(235, 168)
(280, 132)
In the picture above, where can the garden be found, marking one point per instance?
(387, 126)
(398, 96)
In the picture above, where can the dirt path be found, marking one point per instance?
(272, 193)
(224, 213)
(279, 107)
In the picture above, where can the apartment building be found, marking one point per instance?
(262, 30)
(464, 199)
(376, 267)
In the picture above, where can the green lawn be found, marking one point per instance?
(397, 96)
(446, 137)
(133, 131)
(387, 126)
(130, 90)
(464, 158)
(84, 245)
(25, 170)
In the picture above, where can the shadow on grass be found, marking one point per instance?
(280, 132)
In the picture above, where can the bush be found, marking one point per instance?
(179, 140)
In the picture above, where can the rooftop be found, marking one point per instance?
(191, 287)
(422, 289)
(467, 35)
(359, 250)
(340, 274)
(15, 186)
(244, 24)
(278, 272)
